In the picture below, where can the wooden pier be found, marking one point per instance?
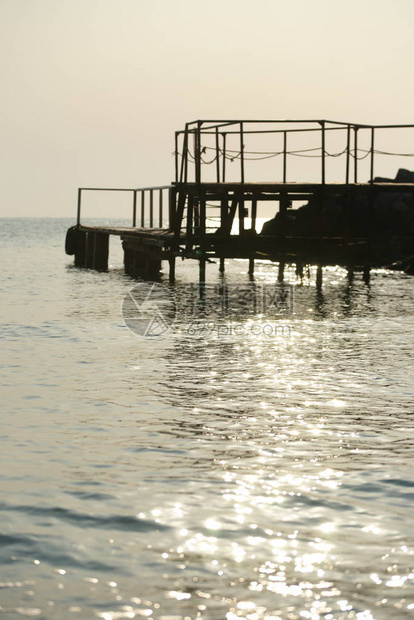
(211, 210)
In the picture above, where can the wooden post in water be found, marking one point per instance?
(319, 277)
(224, 216)
(253, 231)
(172, 200)
(90, 242)
(370, 217)
(251, 266)
(283, 207)
(281, 271)
(93, 250)
(202, 232)
(80, 254)
(171, 274)
(141, 259)
(202, 270)
(190, 222)
(100, 251)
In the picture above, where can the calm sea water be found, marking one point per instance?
(216, 476)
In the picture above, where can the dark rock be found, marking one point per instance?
(388, 224)
(404, 176)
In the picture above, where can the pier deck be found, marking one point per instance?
(218, 219)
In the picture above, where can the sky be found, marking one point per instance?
(93, 90)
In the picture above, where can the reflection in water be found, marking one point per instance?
(288, 446)
(320, 309)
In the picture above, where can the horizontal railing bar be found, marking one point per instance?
(306, 130)
(145, 189)
(363, 126)
(258, 121)
(261, 131)
(124, 189)
(281, 120)
(220, 123)
(107, 189)
(391, 126)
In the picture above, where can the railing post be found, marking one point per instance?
(151, 222)
(241, 154)
(160, 209)
(223, 174)
(134, 210)
(284, 156)
(217, 156)
(372, 154)
(355, 154)
(348, 152)
(142, 208)
(176, 156)
(197, 153)
(78, 217)
(184, 158)
(323, 151)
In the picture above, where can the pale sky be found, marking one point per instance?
(93, 90)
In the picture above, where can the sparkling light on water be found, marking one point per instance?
(214, 478)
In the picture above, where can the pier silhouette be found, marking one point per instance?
(211, 209)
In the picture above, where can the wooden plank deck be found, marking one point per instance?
(121, 231)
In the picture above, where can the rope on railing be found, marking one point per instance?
(231, 155)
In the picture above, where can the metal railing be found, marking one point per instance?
(149, 204)
(189, 159)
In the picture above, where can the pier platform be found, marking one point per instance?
(207, 219)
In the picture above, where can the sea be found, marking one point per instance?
(242, 450)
